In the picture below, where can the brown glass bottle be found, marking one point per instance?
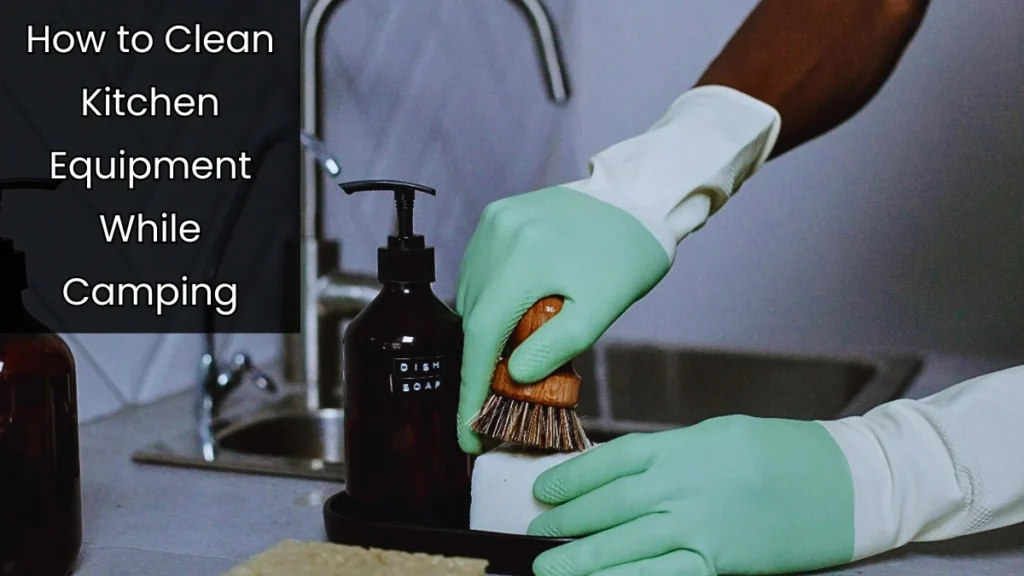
(402, 359)
(40, 474)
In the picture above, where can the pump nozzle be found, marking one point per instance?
(405, 198)
(406, 258)
(26, 184)
(12, 262)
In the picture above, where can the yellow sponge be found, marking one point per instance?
(292, 558)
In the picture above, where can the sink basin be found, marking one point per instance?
(685, 386)
(648, 388)
(626, 388)
(303, 435)
(280, 439)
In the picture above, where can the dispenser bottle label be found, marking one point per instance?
(417, 375)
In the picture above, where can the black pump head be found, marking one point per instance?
(406, 258)
(12, 262)
(26, 184)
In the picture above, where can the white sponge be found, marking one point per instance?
(503, 488)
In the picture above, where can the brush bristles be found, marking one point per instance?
(529, 424)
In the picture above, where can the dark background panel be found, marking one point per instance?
(41, 111)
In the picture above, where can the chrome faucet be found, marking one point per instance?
(216, 385)
(327, 295)
(217, 382)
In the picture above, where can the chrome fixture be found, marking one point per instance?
(549, 49)
(328, 296)
(216, 383)
(319, 151)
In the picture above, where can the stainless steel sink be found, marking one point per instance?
(647, 387)
(280, 438)
(303, 435)
(627, 388)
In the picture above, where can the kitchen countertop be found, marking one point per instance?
(144, 520)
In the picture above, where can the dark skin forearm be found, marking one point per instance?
(817, 62)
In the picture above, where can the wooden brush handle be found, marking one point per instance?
(560, 389)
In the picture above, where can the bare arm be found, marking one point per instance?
(817, 62)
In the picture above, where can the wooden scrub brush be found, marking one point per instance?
(540, 415)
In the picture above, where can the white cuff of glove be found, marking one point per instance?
(682, 170)
(938, 468)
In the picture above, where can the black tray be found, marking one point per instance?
(507, 554)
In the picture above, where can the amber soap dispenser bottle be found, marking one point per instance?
(402, 358)
(40, 474)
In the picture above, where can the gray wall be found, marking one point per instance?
(901, 230)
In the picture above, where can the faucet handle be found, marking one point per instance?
(243, 366)
(263, 381)
(241, 362)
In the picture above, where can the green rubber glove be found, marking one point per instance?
(555, 241)
(732, 495)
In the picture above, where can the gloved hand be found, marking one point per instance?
(552, 241)
(732, 495)
(601, 243)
